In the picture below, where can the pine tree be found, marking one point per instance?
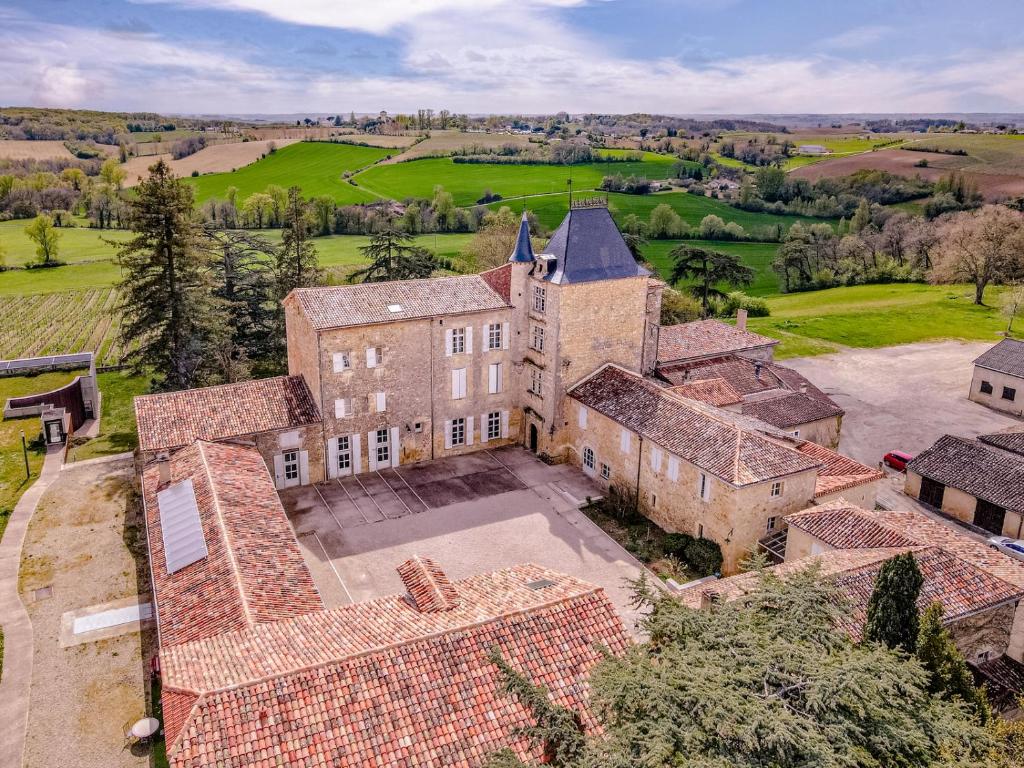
(393, 257)
(298, 265)
(950, 677)
(172, 321)
(892, 616)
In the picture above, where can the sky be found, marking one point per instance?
(514, 56)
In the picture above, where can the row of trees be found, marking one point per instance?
(772, 679)
(81, 187)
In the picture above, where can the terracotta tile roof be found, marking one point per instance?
(382, 683)
(341, 306)
(745, 376)
(253, 572)
(1004, 680)
(844, 526)
(500, 280)
(791, 409)
(1006, 357)
(704, 338)
(717, 392)
(175, 419)
(734, 448)
(837, 472)
(1008, 441)
(429, 587)
(974, 468)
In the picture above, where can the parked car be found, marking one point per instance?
(897, 460)
(1008, 546)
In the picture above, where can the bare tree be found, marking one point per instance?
(982, 247)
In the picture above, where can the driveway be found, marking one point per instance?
(475, 513)
(903, 397)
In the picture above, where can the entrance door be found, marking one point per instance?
(989, 516)
(533, 438)
(53, 431)
(932, 492)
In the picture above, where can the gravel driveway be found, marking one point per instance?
(903, 397)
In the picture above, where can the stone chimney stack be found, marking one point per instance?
(741, 319)
(430, 590)
(163, 464)
(803, 387)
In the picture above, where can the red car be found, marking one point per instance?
(897, 460)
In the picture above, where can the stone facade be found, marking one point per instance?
(996, 382)
(962, 506)
(823, 431)
(733, 516)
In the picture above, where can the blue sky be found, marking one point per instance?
(665, 56)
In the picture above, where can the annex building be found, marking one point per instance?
(713, 436)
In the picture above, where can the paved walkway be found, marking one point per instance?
(15, 687)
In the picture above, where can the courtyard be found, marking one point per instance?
(479, 512)
(903, 398)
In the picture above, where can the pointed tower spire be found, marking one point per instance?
(523, 251)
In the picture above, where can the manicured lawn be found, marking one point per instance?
(757, 256)
(117, 423)
(13, 482)
(878, 316)
(76, 244)
(316, 167)
(467, 181)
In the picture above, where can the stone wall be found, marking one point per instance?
(863, 495)
(823, 431)
(995, 400)
(984, 635)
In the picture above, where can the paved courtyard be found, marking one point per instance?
(474, 513)
(903, 397)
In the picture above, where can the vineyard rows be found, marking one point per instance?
(57, 323)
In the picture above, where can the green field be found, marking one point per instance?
(757, 256)
(76, 244)
(551, 209)
(317, 167)
(117, 422)
(878, 316)
(467, 181)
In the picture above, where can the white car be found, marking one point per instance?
(1011, 547)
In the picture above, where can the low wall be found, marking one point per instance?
(68, 397)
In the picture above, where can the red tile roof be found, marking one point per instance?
(717, 392)
(791, 409)
(429, 588)
(727, 445)
(837, 472)
(253, 572)
(703, 338)
(383, 683)
(341, 306)
(175, 419)
(844, 526)
(500, 280)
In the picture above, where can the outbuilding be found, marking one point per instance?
(998, 380)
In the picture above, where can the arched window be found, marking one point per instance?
(588, 458)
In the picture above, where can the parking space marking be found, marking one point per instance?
(507, 469)
(331, 562)
(371, 497)
(425, 505)
(329, 507)
(352, 500)
(394, 492)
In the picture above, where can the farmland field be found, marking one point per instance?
(757, 256)
(467, 181)
(445, 142)
(219, 158)
(40, 324)
(317, 167)
(76, 244)
(13, 149)
(551, 209)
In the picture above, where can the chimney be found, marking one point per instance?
(803, 387)
(163, 464)
(757, 369)
(741, 319)
(429, 589)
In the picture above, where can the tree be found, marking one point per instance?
(861, 217)
(495, 240)
(256, 207)
(392, 257)
(664, 222)
(298, 265)
(444, 209)
(949, 676)
(112, 173)
(46, 237)
(981, 247)
(708, 268)
(770, 679)
(323, 210)
(892, 617)
(172, 321)
(1013, 304)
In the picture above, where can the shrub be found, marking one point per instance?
(704, 557)
(195, 173)
(678, 307)
(755, 306)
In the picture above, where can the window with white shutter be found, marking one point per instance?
(494, 378)
(458, 341)
(380, 402)
(624, 441)
(582, 417)
(504, 424)
(505, 335)
(342, 407)
(344, 455)
(342, 362)
(458, 383)
(656, 459)
(493, 425)
(704, 486)
(458, 432)
(673, 468)
(374, 357)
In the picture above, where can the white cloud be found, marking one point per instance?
(858, 37)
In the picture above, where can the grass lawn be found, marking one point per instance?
(93, 274)
(467, 181)
(76, 244)
(878, 316)
(316, 167)
(117, 423)
(551, 209)
(13, 482)
(757, 256)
